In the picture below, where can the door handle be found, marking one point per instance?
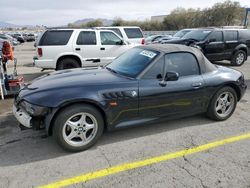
(197, 85)
(77, 49)
(102, 48)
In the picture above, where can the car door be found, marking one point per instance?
(231, 42)
(87, 47)
(111, 46)
(180, 97)
(214, 47)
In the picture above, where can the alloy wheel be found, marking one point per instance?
(224, 104)
(240, 58)
(80, 129)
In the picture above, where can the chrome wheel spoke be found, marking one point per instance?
(89, 126)
(72, 135)
(83, 137)
(73, 125)
(225, 97)
(82, 120)
(218, 107)
(228, 103)
(223, 110)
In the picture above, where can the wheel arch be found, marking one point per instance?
(73, 56)
(233, 86)
(66, 105)
(242, 47)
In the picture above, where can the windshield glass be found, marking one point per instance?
(132, 62)
(197, 35)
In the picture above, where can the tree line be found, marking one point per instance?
(227, 13)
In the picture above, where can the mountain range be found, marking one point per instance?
(106, 22)
(6, 25)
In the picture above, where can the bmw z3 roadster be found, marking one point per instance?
(144, 85)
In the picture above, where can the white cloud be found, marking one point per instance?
(61, 12)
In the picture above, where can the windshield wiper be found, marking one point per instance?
(111, 70)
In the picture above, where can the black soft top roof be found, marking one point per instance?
(204, 63)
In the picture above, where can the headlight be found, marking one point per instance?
(32, 109)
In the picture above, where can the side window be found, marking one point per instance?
(185, 64)
(217, 35)
(86, 38)
(244, 34)
(55, 37)
(230, 35)
(155, 70)
(133, 33)
(117, 31)
(109, 38)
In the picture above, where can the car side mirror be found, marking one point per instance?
(121, 42)
(212, 40)
(171, 76)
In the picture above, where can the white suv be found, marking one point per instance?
(72, 48)
(132, 34)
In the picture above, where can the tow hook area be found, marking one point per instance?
(36, 123)
(23, 127)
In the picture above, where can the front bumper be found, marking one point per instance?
(22, 117)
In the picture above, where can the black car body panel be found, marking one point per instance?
(126, 101)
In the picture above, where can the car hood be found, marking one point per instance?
(74, 78)
(176, 41)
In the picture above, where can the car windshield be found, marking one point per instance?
(132, 62)
(197, 35)
(181, 33)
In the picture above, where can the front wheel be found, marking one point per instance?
(78, 127)
(223, 104)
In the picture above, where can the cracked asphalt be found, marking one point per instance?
(30, 158)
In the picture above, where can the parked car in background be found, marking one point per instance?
(156, 38)
(72, 48)
(219, 44)
(144, 85)
(131, 34)
(19, 37)
(31, 37)
(9, 38)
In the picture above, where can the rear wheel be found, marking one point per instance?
(239, 58)
(222, 104)
(78, 127)
(67, 63)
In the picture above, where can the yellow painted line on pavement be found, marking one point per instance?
(141, 163)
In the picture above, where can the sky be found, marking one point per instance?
(62, 12)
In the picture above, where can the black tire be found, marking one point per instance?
(211, 111)
(67, 63)
(65, 115)
(239, 58)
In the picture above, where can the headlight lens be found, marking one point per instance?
(33, 110)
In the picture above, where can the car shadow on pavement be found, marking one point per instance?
(22, 147)
(223, 63)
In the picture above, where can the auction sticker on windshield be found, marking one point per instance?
(148, 54)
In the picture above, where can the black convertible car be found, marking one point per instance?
(144, 85)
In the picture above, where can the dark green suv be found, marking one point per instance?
(219, 44)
